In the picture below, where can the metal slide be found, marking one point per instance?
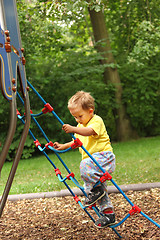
(12, 67)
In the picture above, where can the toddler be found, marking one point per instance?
(92, 133)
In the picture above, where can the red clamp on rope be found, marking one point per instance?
(49, 144)
(47, 108)
(76, 198)
(37, 143)
(70, 175)
(76, 143)
(18, 113)
(91, 207)
(57, 171)
(135, 209)
(106, 176)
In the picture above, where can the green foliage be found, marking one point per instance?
(28, 148)
(60, 60)
(4, 117)
(147, 44)
(142, 81)
(123, 19)
(69, 61)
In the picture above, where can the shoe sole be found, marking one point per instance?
(106, 225)
(87, 205)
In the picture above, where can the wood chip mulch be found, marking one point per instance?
(62, 218)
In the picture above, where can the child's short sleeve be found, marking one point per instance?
(96, 124)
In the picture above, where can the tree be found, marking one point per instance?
(124, 129)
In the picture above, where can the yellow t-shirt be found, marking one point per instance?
(95, 143)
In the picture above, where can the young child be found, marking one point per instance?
(92, 133)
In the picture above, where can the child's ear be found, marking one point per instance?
(91, 110)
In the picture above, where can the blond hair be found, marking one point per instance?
(83, 99)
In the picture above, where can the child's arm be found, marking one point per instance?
(60, 146)
(84, 131)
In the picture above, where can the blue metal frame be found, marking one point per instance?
(12, 66)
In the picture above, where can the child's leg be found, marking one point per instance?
(105, 202)
(106, 209)
(90, 172)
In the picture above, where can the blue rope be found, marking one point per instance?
(122, 221)
(31, 86)
(36, 122)
(37, 115)
(117, 233)
(150, 219)
(59, 151)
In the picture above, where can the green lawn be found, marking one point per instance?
(136, 162)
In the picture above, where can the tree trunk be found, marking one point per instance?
(123, 126)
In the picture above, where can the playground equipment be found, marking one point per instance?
(48, 145)
(14, 59)
(12, 67)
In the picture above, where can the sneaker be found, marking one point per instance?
(94, 195)
(105, 221)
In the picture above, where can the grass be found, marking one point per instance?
(136, 162)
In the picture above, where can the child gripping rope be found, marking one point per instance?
(92, 133)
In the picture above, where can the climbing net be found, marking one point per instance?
(70, 175)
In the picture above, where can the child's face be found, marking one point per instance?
(82, 116)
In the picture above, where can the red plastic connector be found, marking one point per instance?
(106, 176)
(57, 171)
(18, 113)
(135, 209)
(77, 143)
(49, 144)
(91, 207)
(47, 108)
(37, 143)
(70, 175)
(76, 198)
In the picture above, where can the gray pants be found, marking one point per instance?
(90, 174)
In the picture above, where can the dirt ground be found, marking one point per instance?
(62, 218)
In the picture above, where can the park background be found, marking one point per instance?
(108, 48)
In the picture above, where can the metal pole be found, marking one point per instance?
(18, 155)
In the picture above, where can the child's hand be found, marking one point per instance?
(68, 128)
(58, 146)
